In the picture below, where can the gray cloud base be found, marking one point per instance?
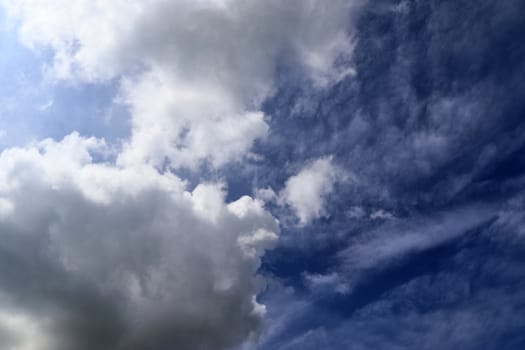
(141, 263)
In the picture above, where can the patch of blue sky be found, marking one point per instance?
(34, 107)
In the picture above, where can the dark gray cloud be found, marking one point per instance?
(93, 256)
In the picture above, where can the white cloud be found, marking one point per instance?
(306, 192)
(267, 195)
(323, 282)
(195, 72)
(18, 332)
(381, 214)
(185, 124)
(356, 212)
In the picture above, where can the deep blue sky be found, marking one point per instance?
(433, 128)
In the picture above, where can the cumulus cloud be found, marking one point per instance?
(306, 191)
(194, 73)
(121, 258)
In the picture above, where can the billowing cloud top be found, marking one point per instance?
(193, 73)
(109, 257)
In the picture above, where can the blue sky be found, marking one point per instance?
(262, 175)
(35, 107)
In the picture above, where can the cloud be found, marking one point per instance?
(381, 214)
(306, 191)
(194, 73)
(461, 288)
(329, 282)
(118, 258)
(395, 240)
(115, 250)
(186, 124)
(398, 321)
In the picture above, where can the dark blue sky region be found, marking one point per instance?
(432, 128)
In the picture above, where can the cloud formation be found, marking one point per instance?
(120, 258)
(306, 191)
(116, 251)
(194, 74)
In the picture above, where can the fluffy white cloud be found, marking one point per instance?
(118, 258)
(186, 124)
(195, 72)
(306, 192)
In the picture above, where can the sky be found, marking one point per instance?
(262, 175)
